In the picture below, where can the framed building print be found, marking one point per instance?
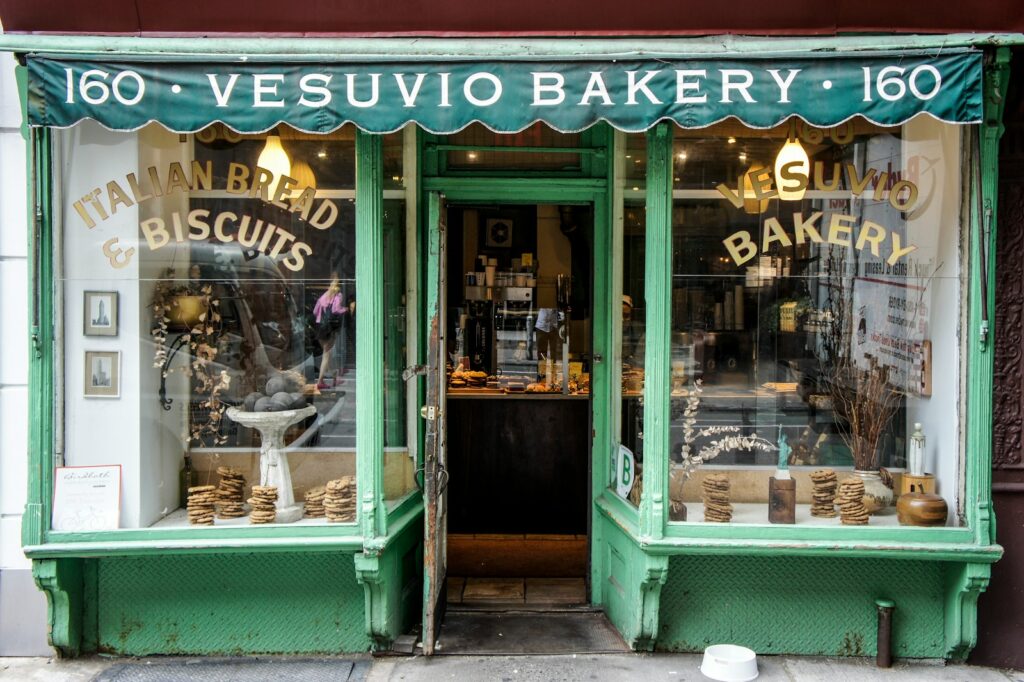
(100, 311)
(102, 374)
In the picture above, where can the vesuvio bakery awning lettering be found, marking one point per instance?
(505, 96)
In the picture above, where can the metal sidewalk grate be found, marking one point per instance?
(236, 670)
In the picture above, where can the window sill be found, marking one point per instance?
(770, 540)
(190, 539)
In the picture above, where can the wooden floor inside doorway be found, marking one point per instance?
(517, 556)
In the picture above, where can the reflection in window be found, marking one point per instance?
(810, 302)
(237, 325)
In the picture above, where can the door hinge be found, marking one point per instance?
(414, 371)
(428, 412)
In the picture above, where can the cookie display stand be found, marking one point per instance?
(274, 469)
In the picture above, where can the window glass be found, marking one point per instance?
(628, 460)
(816, 283)
(209, 311)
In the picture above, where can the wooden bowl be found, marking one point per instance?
(921, 509)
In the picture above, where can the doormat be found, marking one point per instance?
(511, 633)
(236, 669)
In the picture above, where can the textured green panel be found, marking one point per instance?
(231, 604)
(810, 606)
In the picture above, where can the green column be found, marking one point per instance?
(36, 519)
(978, 505)
(658, 299)
(372, 518)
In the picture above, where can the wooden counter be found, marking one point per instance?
(518, 463)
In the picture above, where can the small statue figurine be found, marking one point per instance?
(784, 450)
(782, 487)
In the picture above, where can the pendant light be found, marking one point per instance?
(274, 159)
(792, 157)
(303, 176)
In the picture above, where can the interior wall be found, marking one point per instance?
(934, 149)
(554, 257)
(162, 433)
(101, 431)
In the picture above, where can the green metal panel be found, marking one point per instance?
(217, 604)
(812, 606)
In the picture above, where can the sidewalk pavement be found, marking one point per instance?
(564, 668)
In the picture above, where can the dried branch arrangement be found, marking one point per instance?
(861, 396)
(716, 439)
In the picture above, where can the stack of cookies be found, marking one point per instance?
(262, 504)
(340, 500)
(851, 503)
(315, 502)
(230, 493)
(201, 501)
(716, 498)
(824, 496)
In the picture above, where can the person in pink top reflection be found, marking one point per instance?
(328, 314)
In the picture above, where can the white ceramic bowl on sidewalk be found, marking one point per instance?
(729, 663)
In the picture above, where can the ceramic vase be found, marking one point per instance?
(878, 497)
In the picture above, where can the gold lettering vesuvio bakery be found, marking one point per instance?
(840, 229)
(201, 224)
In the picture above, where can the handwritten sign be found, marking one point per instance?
(87, 498)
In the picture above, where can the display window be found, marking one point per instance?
(816, 314)
(207, 287)
(631, 338)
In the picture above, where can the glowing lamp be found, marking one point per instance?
(274, 159)
(303, 176)
(794, 159)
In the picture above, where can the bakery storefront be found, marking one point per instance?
(328, 348)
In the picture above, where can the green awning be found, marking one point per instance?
(506, 96)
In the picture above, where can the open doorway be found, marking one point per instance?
(519, 311)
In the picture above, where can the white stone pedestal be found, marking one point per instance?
(274, 469)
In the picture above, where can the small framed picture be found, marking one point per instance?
(100, 309)
(498, 233)
(102, 374)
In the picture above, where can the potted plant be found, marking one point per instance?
(861, 392)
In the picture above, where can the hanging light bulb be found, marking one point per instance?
(274, 159)
(751, 204)
(794, 160)
(303, 176)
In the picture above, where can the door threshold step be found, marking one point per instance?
(498, 607)
(517, 633)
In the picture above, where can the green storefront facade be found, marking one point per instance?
(155, 587)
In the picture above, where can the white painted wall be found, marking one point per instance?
(936, 228)
(22, 607)
(14, 326)
(132, 430)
